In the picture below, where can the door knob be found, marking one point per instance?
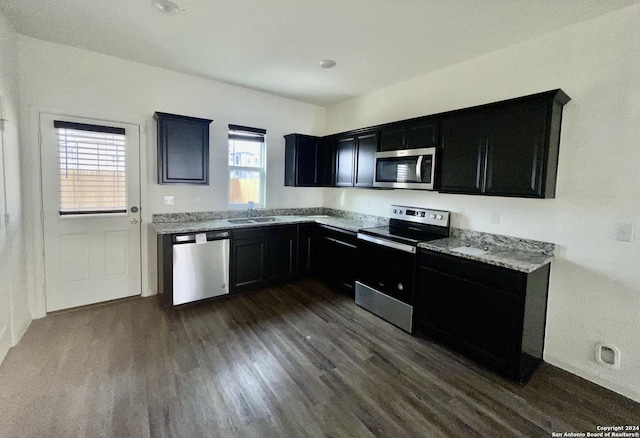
(134, 221)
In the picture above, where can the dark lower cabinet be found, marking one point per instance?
(491, 314)
(262, 256)
(307, 249)
(336, 257)
(247, 263)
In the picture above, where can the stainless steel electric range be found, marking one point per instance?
(387, 261)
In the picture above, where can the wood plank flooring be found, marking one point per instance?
(289, 361)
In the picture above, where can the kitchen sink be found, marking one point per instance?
(255, 220)
(264, 219)
(240, 221)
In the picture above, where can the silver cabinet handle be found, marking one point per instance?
(134, 221)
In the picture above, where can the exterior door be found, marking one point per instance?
(91, 210)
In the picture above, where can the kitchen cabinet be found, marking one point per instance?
(355, 159)
(336, 257)
(262, 256)
(491, 314)
(307, 249)
(464, 142)
(308, 161)
(410, 134)
(504, 149)
(183, 149)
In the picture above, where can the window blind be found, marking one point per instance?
(91, 168)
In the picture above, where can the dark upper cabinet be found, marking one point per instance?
(345, 158)
(308, 161)
(504, 149)
(355, 159)
(183, 149)
(411, 134)
(516, 149)
(464, 143)
(366, 147)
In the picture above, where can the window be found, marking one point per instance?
(91, 168)
(246, 167)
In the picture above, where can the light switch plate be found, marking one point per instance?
(168, 200)
(625, 233)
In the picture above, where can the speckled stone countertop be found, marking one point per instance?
(508, 252)
(199, 222)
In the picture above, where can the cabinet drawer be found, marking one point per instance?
(262, 232)
(478, 272)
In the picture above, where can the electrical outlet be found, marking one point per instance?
(168, 200)
(625, 233)
(494, 217)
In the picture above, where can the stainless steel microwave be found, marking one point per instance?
(406, 169)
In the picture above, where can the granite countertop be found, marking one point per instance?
(512, 257)
(348, 224)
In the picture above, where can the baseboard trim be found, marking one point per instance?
(605, 383)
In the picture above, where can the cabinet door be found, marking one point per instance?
(516, 149)
(493, 326)
(393, 138)
(439, 302)
(337, 261)
(306, 253)
(422, 134)
(306, 162)
(464, 139)
(326, 162)
(280, 257)
(247, 263)
(367, 145)
(183, 149)
(345, 156)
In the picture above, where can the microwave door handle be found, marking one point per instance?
(419, 168)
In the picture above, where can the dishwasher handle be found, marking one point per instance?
(191, 238)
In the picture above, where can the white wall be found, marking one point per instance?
(14, 309)
(82, 83)
(595, 281)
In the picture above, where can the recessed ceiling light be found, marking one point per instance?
(327, 63)
(166, 6)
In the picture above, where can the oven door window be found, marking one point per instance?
(412, 169)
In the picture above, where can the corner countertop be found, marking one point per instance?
(347, 224)
(518, 259)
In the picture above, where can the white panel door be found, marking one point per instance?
(91, 210)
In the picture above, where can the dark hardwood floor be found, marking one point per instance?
(289, 361)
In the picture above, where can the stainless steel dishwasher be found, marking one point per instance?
(200, 266)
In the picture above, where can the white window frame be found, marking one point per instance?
(262, 170)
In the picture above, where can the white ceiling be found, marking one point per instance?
(275, 45)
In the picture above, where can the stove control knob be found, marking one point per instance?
(395, 211)
(400, 286)
(432, 216)
(439, 217)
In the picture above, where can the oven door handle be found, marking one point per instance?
(388, 243)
